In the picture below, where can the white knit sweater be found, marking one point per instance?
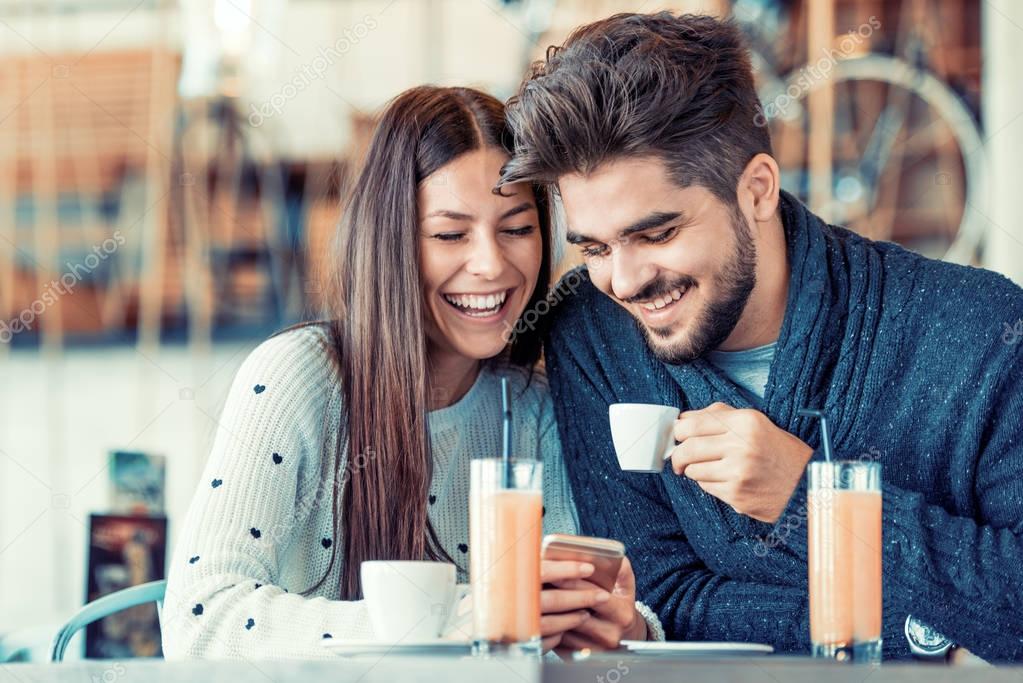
(260, 522)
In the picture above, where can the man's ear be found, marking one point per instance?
(759, 186)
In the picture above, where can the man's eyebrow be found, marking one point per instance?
(654, 220)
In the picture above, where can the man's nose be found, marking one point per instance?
(628, 274)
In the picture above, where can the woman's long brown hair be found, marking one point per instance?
(378, 332)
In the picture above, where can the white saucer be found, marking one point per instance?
(695, 649)
(405, 648)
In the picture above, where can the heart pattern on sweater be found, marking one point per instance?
(253, 480)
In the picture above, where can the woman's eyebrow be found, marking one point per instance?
(447, 213)
(459, 216)
(524, 206)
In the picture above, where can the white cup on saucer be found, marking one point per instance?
(409, 601)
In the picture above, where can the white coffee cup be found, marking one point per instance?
(408, 601)
(643, 435)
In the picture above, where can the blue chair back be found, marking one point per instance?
(153, 591)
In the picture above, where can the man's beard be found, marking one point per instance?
(719, 317)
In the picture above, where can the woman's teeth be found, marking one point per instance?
(477, 305)
(671, 297)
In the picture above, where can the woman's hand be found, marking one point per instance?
(566, 599)
(612, 620)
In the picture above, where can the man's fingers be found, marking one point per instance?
(714, 409)
(552, 624)
(557, 600)
(714, 471)
(550, 642)
(552, 571)
(699, 449)
(706, 422)
(714, 488)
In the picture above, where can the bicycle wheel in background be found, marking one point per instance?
(908, 160)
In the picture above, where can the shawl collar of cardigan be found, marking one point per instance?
(836, 336)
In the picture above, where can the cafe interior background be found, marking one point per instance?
(171, 175)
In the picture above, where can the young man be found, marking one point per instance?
(710, 289)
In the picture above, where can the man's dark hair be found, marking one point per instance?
(679, 88)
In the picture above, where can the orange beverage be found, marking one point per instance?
(844, 543)
(505, 529)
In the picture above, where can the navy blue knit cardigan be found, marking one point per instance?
(917, 363)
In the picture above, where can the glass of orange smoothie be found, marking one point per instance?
(844, 526)
(505, 529)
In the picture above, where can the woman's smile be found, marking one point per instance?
(481, 307)
(480, 254)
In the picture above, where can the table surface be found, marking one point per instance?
(609, 668)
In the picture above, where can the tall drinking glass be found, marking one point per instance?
(505, 527)
(844, 526)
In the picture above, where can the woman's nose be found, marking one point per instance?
(486, 260)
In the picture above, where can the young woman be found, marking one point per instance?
(350, 440)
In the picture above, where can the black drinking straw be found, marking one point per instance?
(506, 443)
(825, 437)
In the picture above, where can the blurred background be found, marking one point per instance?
(171, 174)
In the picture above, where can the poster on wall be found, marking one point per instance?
(137, 482)
(124, 551)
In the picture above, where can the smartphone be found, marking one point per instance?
(603, 553)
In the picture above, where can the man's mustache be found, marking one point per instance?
(658, 288)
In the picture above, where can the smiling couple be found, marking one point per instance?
(705, 287)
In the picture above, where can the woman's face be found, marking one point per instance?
(480, 254)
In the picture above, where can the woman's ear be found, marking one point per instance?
(759, 187)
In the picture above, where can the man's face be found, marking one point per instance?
(678, 259)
